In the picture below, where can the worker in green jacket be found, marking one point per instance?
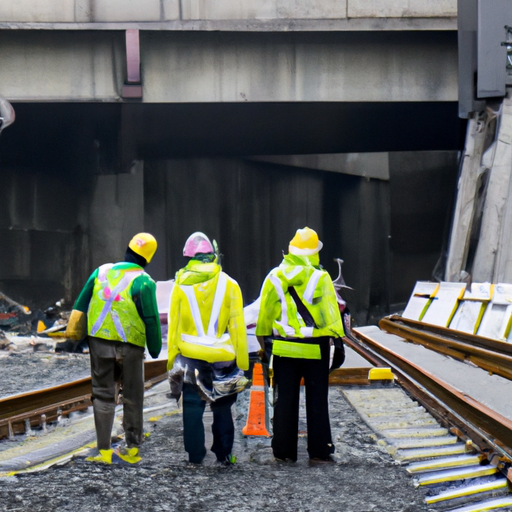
(299, 313)
(118, 311)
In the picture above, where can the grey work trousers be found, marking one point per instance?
(117, 365)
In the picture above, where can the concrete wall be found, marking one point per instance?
(220, 67)
(84, 11)
(253, 209)
(422, 194)
(68, 202)
(116, 213)
(40, 234)
(56, 227)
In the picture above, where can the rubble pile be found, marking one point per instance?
(39, 330)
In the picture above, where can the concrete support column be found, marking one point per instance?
(116, 214)
(466, 198)
(484, 267)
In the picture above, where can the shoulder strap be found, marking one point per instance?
(301, 308)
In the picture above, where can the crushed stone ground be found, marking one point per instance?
(365, 478)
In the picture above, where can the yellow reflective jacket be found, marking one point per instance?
(206, 316)
(278, 314)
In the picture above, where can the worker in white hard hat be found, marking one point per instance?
(207, 345)
(299, 313)
(117, 309)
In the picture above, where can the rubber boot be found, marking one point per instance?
(103, 421)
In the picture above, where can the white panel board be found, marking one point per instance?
(496, 321)
(444, 304)
(420, 299)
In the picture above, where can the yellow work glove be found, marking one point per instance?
(77, 326)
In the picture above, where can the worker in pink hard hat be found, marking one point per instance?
(197, 243)
(207, 348)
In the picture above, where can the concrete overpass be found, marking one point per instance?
(246, 121)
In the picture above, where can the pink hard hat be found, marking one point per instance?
(197, 243)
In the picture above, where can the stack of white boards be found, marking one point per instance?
(482, 308)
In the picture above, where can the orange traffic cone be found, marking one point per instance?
(256, 419)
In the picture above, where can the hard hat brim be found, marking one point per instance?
(296, 251)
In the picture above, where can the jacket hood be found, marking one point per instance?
(197, 272)
(295, 269)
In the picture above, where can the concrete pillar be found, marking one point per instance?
(466, 198)
(116, 214)
(484, 267)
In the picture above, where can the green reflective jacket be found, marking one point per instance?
(142, 293)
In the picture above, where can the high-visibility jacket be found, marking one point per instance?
(142, 292)
(112, 313)
(279, 314)
(206, 318)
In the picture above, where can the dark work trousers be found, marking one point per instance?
(193, 428)
(115, 364)
(288, 373)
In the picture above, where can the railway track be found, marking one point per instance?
(20, 413)
(492, 355)
(458, 449)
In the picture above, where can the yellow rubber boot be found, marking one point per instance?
(104, 457)
(130, 455)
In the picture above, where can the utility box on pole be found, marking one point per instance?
(485, 52)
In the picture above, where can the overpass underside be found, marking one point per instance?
(244, 136)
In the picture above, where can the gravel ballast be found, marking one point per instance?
(364, 478)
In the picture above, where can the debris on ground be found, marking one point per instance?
(41, 330)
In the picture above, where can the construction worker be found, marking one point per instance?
(300, 314)
(207, 347)
(118, 307)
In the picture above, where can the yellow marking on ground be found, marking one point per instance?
(468, 491)
(56, 460)
(410, 432)
(443, 463)
(80, 425)
(425, 442)
(456, 449)
(450, 476)
(417, 411)
(406, 424)
(488, 505)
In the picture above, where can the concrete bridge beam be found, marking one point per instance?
(114, 11)
(207, 67)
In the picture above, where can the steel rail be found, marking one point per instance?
(474, 421)
(492, 355)
(20, 412)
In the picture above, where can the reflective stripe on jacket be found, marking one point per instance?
(278, 313)
(207, 346)
(112, 313)
(296, 350)
(206, 319)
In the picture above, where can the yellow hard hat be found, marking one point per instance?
(305, 243)
(144, 245)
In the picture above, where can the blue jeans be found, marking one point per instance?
(193, 428)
